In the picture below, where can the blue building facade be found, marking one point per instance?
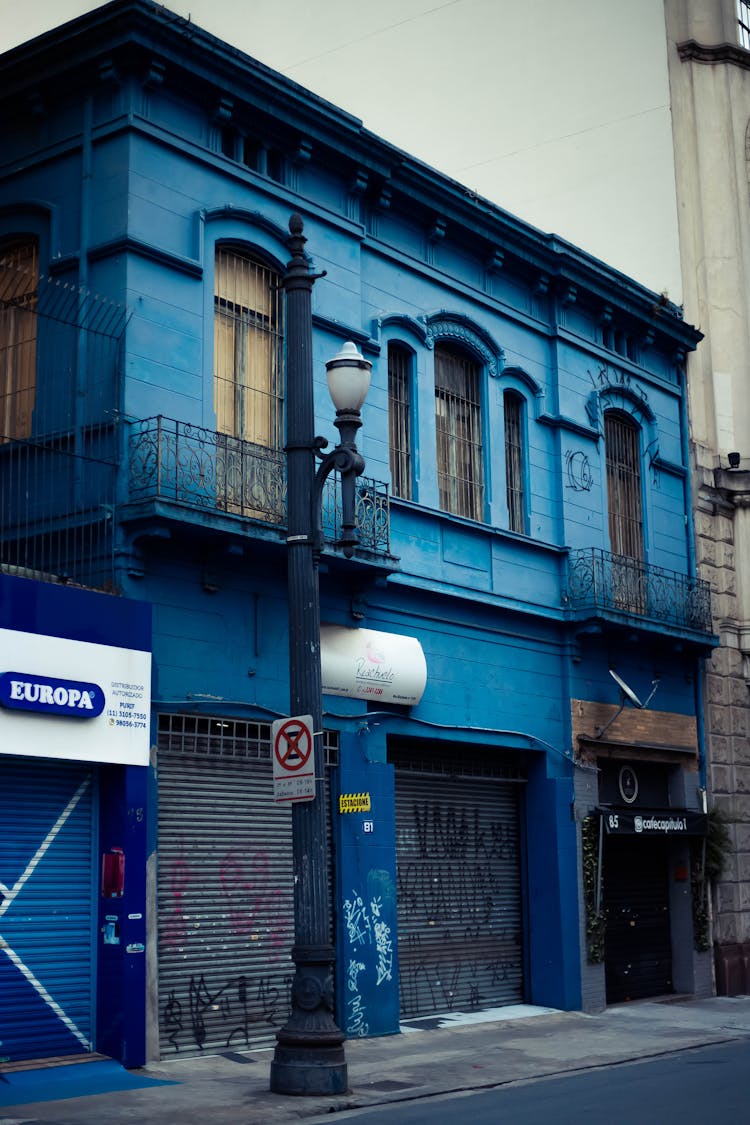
(501, 807)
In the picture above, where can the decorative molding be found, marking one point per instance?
(128, 245)
(346, 332)
(384, 197)
(692, 51)
(224, 110)
(400, 320)
(243, 215)
(436, 232)
(612, 383)
(359, 181)
(541, 288)
(154, 76)
(303, 152)
(568, 294)
(108, 72)
(36, 104)
(454, 326)
(525, 379)
(561, 422)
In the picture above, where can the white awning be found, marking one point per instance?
(365, 664)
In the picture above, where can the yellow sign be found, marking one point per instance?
(354, 802)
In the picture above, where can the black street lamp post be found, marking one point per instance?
(309, 1056)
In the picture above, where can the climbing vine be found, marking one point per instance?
(595, 919)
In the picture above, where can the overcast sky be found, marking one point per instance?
(557, 110)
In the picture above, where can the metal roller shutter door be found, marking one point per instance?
(638, 942)
(47, 908)
(226, 907)
(460, 933)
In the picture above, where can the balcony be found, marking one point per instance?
(203, 471)
(619, 588)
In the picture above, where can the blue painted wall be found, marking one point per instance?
(487, 604)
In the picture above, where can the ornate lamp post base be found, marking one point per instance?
(309, 1068)
(309, 1056)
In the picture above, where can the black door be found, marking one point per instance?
(638, 949)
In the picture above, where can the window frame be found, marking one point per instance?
(626, 502)
(459, 495)
(235, 388)
(19, 314)
(400, 418)
(743, 24)
(516, 468)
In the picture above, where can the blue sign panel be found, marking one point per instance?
(24, 691)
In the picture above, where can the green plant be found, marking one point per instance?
(708, 858)
(595, 918)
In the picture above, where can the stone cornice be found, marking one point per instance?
(734, 486)
(692, 51)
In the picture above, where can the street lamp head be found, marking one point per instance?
(348, 378)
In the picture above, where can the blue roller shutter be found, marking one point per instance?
(47, 908)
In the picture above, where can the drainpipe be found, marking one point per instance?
(688, 492)
(83, 275)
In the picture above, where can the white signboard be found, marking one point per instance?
(74, 700)
(293, 753)
(365, 664)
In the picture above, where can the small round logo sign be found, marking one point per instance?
(25, 691)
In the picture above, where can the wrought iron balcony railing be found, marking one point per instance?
(600, 581)
(201, 469)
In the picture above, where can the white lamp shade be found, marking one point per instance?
(348, 376)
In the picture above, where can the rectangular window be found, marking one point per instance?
(459, 434)
(514, 461)
(743, 23)
(248, 343)
(19, 299)
(399, 419)
(622, 441)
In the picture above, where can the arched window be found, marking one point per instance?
(248, 349)
(515, 467)
(399, 419)
(19, 298)
(458, 426)
(624, 489)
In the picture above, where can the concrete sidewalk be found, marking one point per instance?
(464, 1052)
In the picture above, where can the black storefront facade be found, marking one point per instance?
(641, 808)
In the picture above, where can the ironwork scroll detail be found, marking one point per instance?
(600, 580)
(190, 465)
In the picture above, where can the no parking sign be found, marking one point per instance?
(293, 756)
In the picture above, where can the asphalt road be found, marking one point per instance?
(704, 1086)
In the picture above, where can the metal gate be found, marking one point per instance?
(638, 943)
(47, 908)
(226, 909)
(460, 932)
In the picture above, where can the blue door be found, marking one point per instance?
(47, 908)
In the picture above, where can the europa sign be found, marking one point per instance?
(370, 665)
(23, 691)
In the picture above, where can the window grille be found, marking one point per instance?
(743, 23)
(459, 434)
(19, 299)
(248, 350)
(514, 461)
(622, 442)
(215, 736)
(399, 419)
